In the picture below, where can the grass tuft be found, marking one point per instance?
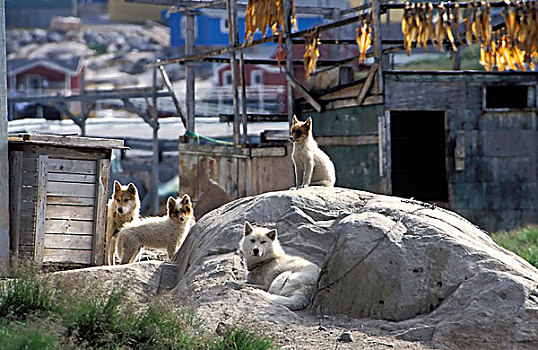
(25, 294)
(240, 337)
(522, 241)
(37, 314)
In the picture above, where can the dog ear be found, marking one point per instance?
(131, 188)
(248, 228)
(186, 199)
(171, 204)
(271, 234)
(308, 122)
(295, 120)
(117, 186)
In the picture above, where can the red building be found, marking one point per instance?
(43, 76)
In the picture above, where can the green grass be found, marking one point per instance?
(468, 61)
(35, 314)
(523, 242)
(243, 338)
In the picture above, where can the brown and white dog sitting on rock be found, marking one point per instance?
(122, 208)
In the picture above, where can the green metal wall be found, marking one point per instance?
(357, 166)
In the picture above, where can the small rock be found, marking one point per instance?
(321, 328)
(345, 337)
(222, 328)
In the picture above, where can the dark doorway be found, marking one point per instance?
(418, 155)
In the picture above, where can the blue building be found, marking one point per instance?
(212, 28)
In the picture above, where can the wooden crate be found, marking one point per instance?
(58, 188)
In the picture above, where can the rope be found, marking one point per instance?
(207, 138)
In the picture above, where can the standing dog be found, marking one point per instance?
(312, 165)
(167, 231)
(285, 279)
(123, 207)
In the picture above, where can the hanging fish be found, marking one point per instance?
(440, 32)
(468, 30)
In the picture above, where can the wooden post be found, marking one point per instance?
(155, 168)
(232, 35)
(101, 196)
(378, 49)
(4, 188)
(289, 57)
(15, 197)
(83, 106)
(189, 50)
(41, 209)
(243, 97)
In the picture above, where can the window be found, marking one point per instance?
(507, 96)
(224, 25)
(33, 82)
(418, 164)
(256, 77)
(227, 78)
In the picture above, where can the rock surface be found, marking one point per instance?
(396, 267)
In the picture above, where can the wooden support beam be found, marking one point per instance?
(378, 46)
(191, 5)
(173, 95)
(232, 35)
(190, 73)
(91, 96)
(155, 149)
(228, 49)
(309, 98)
(367, 83)
(129, 106)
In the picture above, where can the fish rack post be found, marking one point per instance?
(155, 168)
(190, 70)
(289, 56)
(232, 35)
(378, 48)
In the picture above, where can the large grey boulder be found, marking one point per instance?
(414, 270)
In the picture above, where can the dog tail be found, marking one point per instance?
(296, 301)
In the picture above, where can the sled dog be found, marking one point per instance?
(284, 279)
(165, 232)
(312, 166)
(122, 208)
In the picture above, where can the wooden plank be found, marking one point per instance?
(68, 226)
(308, 97)
(68, 256)
(29, 194)
(80, 178)
(60, 241)
(29, 164)
(70, 189)
(71, 141)
(70, 212)
(366, 86)
(387, 151)
(72, 166)
(29, 178)
(15, 199)
(347, 140)
(101, 196)
(41, 208)
(65, 152)
(69, 200)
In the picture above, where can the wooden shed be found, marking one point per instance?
(466, 141)
(240, 171)
(58, 190)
